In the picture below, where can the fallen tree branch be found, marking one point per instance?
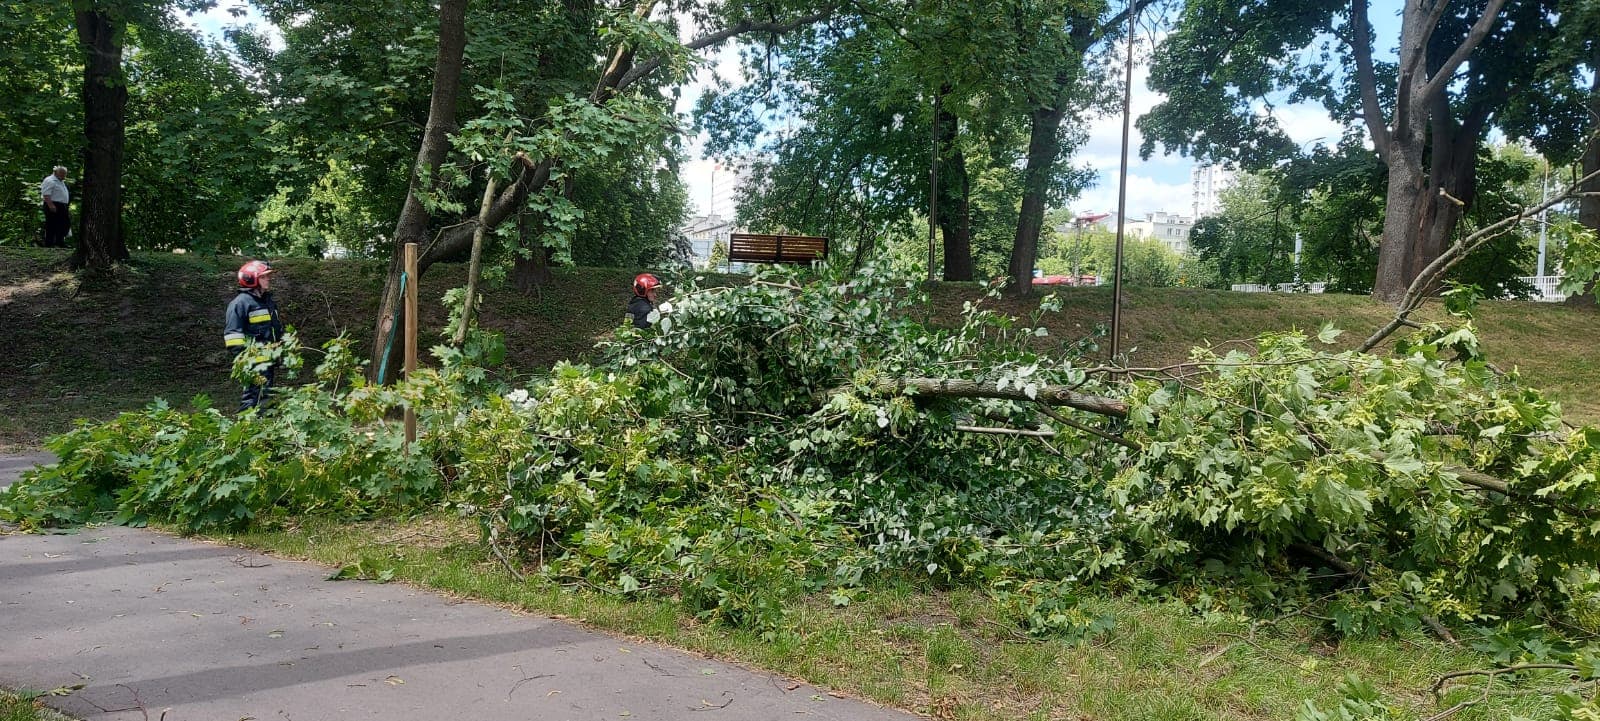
(1322, 554)
(1068, 422)
(1438, 686)
(1006, 431)
(1485, 482)
(1051, 395)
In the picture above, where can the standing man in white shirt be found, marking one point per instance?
(56, 221)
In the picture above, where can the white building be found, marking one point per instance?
(1169, 228)
(725, 184)
(705, 233)
(1206, 183)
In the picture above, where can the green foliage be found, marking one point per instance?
(1344, 456)
(755, 447)
(196, 160)
(320, 449)
(751, 411)
(1580, 259)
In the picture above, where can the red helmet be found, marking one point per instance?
(643, 283)
(250, 273)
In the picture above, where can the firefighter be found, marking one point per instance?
(644, 299)
(253, 316)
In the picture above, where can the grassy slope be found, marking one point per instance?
(153, 331)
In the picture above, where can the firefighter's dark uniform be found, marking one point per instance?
(252, 317)
(639, 308)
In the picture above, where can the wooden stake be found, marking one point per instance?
(411, 336)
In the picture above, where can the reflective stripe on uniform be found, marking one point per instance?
(260, 316)
(232, 339)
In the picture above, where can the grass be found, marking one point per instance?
(25, 706)
(90, 351)
(952, 654)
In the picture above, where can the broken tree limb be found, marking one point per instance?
(1068, 422)
(1006, 431)
(1322, 554)
(954, 388)
(475, 265)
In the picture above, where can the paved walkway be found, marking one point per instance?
(150, 624)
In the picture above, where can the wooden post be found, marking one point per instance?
(411, 335)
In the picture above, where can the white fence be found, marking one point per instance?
(1279, 288)
(1545, 288)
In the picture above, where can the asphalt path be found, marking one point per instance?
(134, 624)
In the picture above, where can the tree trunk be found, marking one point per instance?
(1452, 169)
(105, 99)
(1416, 224)
(530, 271)
(1044, 146)
(953, 208)
(413, 224)
(1589, 205)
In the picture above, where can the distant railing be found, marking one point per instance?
(1279, 288)
(1546, 288)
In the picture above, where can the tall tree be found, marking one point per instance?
(101, 28)
(576, 130)
(989, 85)
(1426, 115)
(1054, 43)
(1589, 205)
(412, 227)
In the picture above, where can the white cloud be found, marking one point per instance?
(1146, 194)
(214, 21)
(1308, 124)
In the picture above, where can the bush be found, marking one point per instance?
(319, 450)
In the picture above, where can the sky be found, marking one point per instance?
(1160, 183)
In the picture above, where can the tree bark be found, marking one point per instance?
(954, 211)
(1452, 170)
(1589, 205)
(1044, 148)
(1418, 221)
(531, 269)
(413, 224)
(105, 99)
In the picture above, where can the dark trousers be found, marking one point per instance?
(56, 224)
(256, 396)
